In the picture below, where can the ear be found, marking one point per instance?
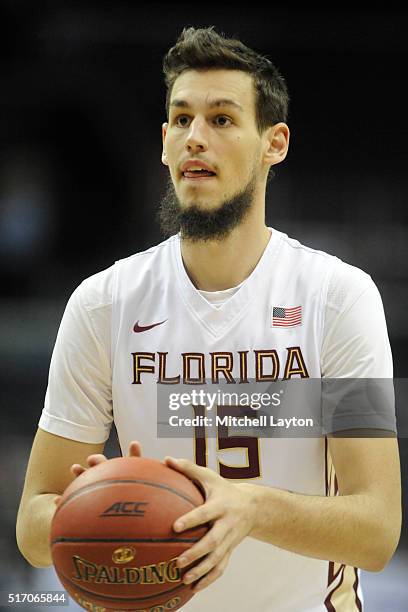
(276, 143)
(164, 132)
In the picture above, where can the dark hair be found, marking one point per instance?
(203, 48)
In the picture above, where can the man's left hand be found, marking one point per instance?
(228, 510)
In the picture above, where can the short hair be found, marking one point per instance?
(204, 48)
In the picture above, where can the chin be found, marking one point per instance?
(199, 204)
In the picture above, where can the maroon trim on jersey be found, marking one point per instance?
(355, 587)
(331, 575)
(327, 602)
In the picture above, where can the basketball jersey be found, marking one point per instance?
(164, 331)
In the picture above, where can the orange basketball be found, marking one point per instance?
(112, 541)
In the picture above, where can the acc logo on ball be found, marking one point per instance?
(125, 508)
(123, 555)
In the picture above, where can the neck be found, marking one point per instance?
(214, 265)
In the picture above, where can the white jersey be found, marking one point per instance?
(142, 323)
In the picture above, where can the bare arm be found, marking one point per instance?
(48, 474)
(359, 527)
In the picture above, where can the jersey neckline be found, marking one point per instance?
(217, 320)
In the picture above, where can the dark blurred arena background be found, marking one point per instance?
(82, 102)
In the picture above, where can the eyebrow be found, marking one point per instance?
(213, 104)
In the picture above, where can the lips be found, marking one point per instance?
(196, 169)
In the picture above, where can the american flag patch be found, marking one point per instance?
(286, 317)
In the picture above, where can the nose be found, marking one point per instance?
(197, 138)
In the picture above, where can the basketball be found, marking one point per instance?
(112, 542)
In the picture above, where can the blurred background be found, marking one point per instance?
(82, 102)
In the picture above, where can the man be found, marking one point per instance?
(226, 297)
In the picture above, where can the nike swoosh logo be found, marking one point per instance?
(142, 328)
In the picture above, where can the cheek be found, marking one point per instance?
(171, 167)
(171, 157)
(243, 161)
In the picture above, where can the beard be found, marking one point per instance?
(195, 223)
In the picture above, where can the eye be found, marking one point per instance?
(223, 121)
(182, 120)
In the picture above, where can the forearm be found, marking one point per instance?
(33, 529)
(348, 529)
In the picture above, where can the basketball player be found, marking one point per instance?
(226, 297)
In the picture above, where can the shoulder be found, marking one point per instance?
(96, 291)
(342, 282)
(299, 250)
(309, 264)
(154, 255)
(138, 275)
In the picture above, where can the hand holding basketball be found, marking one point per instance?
(230, 510)
(112, 541)
(135, 450)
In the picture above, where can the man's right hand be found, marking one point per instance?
(76, 469)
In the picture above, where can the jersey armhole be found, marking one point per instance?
(323, 307)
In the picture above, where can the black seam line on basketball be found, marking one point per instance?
(128, 514)
(140, 540)
(124, 598)
(102, 483)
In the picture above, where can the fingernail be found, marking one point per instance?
(182, 561)
(188, 578)
(179, 526)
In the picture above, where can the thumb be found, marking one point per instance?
(57, 500)
(193, 471)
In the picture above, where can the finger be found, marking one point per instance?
(199, 516)
(203, 568)
(213, 575)
(77, 469)
(93, 460)
(213, 539)
(135, 449)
